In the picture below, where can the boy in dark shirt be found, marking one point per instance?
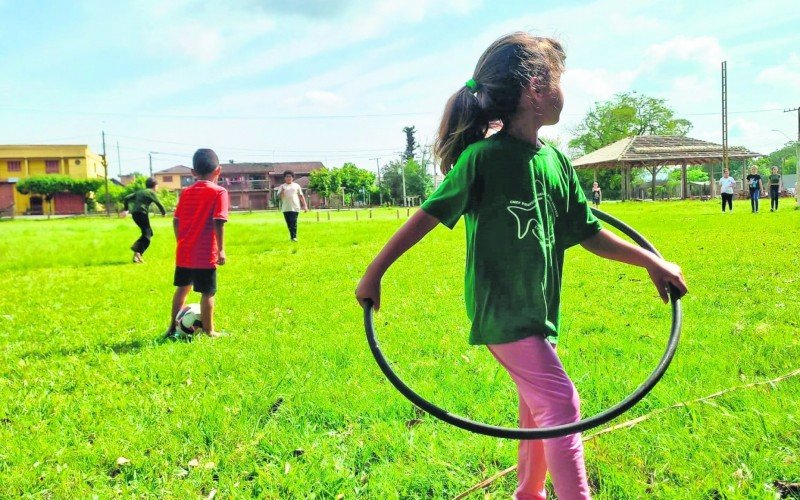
(140, 201)
(199, 222)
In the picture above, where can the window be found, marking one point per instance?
(14, 166)
(51, 166)
(167, 178)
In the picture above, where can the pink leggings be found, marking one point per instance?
(547, 397)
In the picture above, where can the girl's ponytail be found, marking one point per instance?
(463, 123)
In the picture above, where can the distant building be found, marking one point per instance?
(251, 186)
(174, 178)
(23, 161)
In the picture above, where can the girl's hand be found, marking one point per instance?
(369, 289)
(665, 273)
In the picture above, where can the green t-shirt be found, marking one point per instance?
(523, 206)
(775, 180)
(140, 201)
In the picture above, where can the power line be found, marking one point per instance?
(292, 117)
(265, 151)
(213, 117)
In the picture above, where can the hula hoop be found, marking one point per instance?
(543, 432)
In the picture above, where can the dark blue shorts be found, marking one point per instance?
(204, 280)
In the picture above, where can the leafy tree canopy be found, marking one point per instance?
(626, 114)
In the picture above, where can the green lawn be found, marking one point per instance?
(291, 403)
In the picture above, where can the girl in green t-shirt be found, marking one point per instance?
(530, 206)
(774, 189)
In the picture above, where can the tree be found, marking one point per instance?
(418, 181)
(625, 115)
(324, 182)
(356, 182)
(411, 143)
(785, 159)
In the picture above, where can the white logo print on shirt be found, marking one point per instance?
(525, 213)
(538, 218)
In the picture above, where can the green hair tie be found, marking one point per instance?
(472, 85)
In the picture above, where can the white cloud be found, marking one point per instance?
(787, 73)
(193, 40)
(320, 99)
(705, 49)
(597, 84)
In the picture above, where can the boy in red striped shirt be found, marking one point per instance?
(199, 222)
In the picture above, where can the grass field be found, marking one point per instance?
(291, 405)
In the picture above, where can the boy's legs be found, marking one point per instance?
(178, 301)
(291, 223)
(205, 282)
(143, 221)
(207, 312)
(550, 395)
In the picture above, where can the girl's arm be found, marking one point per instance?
(369, 288)
(610, 246)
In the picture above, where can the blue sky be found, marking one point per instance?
(336, 81)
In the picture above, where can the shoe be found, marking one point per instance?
(137, 258)
(294, 239)
(214, 334)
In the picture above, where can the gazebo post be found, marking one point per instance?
(628, 189)
(684, 182)
(655, 171)
(595, 174)
(712, 184)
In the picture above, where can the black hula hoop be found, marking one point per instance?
(543, 432)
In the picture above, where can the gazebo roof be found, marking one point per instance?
(657, 150)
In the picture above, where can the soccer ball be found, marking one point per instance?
(188, 319)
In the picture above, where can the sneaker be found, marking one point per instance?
(294, 239)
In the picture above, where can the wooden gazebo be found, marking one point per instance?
(655, 152)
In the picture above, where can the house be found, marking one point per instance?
(174, 178)
(23, 161)
(251, 186)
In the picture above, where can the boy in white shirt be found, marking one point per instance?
(726, 184)
(291, 195)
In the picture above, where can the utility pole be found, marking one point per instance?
(380, 187)
(797, 157)
(119, 161)
(403, 162)
(105, 169)
(724, 114)
(403, 175)
(150, 155)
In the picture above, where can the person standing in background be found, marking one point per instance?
(756, 187)
(726, 184)
(774, 189)
(291, 196)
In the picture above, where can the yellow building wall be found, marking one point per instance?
(172, 186)
(76, 161)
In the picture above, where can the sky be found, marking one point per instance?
(336, 81)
